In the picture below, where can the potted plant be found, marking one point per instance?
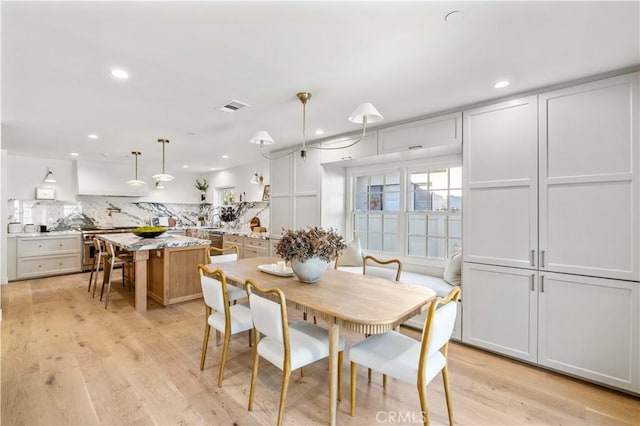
(227, 214)
(202, 186)
(310, 250)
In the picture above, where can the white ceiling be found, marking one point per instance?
(187, 59)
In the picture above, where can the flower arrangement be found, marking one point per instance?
(309, 243)
(227, 214)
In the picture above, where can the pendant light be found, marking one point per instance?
(163, 177)
(257, 178)
(136, 181)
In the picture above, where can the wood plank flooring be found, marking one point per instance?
(68, 361)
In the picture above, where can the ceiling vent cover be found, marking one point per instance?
(232, 106)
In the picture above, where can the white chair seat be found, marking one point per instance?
(395, 355)
(309, 343)
(240, 319)
(223, 258)
(235, 293)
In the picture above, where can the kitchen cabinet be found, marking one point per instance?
(39, 256)
(585, 326)
(430, 132)
(247, 246)
(97, 178)
(234, 240)
(12, 258)
(367, 147)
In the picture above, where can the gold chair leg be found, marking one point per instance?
(223, 360)
(205, 343)
(384, 381)
(369, 375)
(340, 359)
(301, 372)
(447, 394)
(250, 337)
(283, 394)
(354, 368)
(254, 375)
(422, 393)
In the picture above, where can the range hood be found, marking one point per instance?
(107, 179)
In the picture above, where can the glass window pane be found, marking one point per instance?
(455, 177)
(361, 202)
(419, 178)
(390, 242)
(375, 201)
(417, 246)
(417, 225)
(377, 180)
(436, 247)
(419, 200)
(375, 242)
(391, 202)
(362, 184)
(455, 200)
(390, 223)
(455, 227)
(439, 179)
(436, 226)
(360, 223)
(393, 179)
(363, 239)
(375, 223)
(439, 200)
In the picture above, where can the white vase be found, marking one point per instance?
(310, 270)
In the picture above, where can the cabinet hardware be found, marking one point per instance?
(542, 258)
(542, 284)
(533, 258)
(415, 147)
(533, 277)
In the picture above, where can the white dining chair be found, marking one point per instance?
(287, 346)
(409, 360)
(225, 319)
(227, 254)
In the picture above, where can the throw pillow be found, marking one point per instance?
(453, 269)
(352, 255)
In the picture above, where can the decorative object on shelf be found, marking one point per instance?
(49, 178)
(163, 177)
(227, 215)
(364, 114)
(149, 231)
(255, 223)
(202, 186)
(310, 250)
(136, 181)
(257, 178)
(266, 193)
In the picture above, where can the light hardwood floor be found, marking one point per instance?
(65, 360)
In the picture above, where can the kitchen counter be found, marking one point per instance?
(42, 234)
(131, 242)
(202, 232)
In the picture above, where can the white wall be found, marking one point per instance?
(239, 178)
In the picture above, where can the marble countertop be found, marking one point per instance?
(43, 234)
(132, 242)
(237, 232)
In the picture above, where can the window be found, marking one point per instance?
(226, 195)
(424, 202)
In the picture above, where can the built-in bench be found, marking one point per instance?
(437, 284)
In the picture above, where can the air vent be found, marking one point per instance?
(233, 106)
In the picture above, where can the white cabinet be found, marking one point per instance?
(501, 184)
(367, 147)
(12, 258)
(500, 309)
(590, 327)
(589, 195)
(47, 255)
(247, 246)
(108, 178)
(430, 132)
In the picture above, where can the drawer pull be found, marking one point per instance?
(542, 284)
(542, 258)
(415, 147)
(533, 287)
(533, 258)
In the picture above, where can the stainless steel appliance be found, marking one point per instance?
(88, 249)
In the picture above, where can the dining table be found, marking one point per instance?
(347, 301)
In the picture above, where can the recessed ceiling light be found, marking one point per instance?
(225, 156)
(501, 84)
(119, 73)
(74, 154)
(185, 167)
(453, 16)
(319, 132)
(92, 136)
(213, 168)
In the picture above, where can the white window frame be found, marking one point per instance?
(404, 168)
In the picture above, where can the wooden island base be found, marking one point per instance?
(173, 274)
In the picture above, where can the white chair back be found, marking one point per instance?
(267, 316)
(223, 258)
(442, 326)
(213, 293)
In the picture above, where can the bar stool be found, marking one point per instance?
(111, 262)
(97, 263)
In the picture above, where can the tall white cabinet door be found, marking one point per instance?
(500, 309)
(500, 223)
(590, 327)
(306, 190)
(281, 201)
(589, 159)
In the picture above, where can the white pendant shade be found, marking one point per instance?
(136, 181)
(163, 177)
(262, 138)
(365, 110)
(49, 177)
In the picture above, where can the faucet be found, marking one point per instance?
(113, 210)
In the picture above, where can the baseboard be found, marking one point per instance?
(4, 280)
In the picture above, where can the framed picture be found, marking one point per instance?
(266, 193)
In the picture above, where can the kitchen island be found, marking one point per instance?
(165, 266)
